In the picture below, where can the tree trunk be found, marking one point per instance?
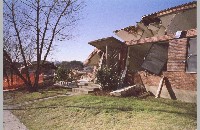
(7, 77)
(26, 80)
(11, 78)
(37, 74)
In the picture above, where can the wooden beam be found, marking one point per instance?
(160, 87)
(126, 64)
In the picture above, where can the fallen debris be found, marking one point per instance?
(135, 90)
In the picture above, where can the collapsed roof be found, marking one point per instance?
(109, 41)
(152, 31)
(93, 58)
(100, 45)
(178, 18)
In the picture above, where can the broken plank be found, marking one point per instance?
(160, 87)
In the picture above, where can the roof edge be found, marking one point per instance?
(181, 7)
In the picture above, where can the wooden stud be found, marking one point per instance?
(160, 87)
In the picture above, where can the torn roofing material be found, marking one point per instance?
(161, 23)
(150, 18)
(94, 55)
(189, 33)
(109, 41)
(175, 9)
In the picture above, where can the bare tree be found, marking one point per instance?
(32, 26)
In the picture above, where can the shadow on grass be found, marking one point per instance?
(127, 109)
(188, 107)
(84, 107)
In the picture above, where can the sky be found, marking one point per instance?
(100, 19)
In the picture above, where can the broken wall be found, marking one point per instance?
(181, 86)
(180, 83)
(176, 66)
(183, 93)
(181, 60)
(182, 80)
(178, 80)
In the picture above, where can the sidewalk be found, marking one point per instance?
(11, 122)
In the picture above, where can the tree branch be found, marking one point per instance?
(46, 26)
(54, 30)
(20, 43)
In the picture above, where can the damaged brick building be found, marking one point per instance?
(159, 52)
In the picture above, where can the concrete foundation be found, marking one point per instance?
(173, 93)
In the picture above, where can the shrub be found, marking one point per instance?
(63, 74)
(108, 79)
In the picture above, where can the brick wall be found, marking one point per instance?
(176, 69)
(182, 80)
(148, 79)
(176, 66)
(178, 80)
(177, 53)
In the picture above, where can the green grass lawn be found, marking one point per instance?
(20, 96)
(89, 112)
